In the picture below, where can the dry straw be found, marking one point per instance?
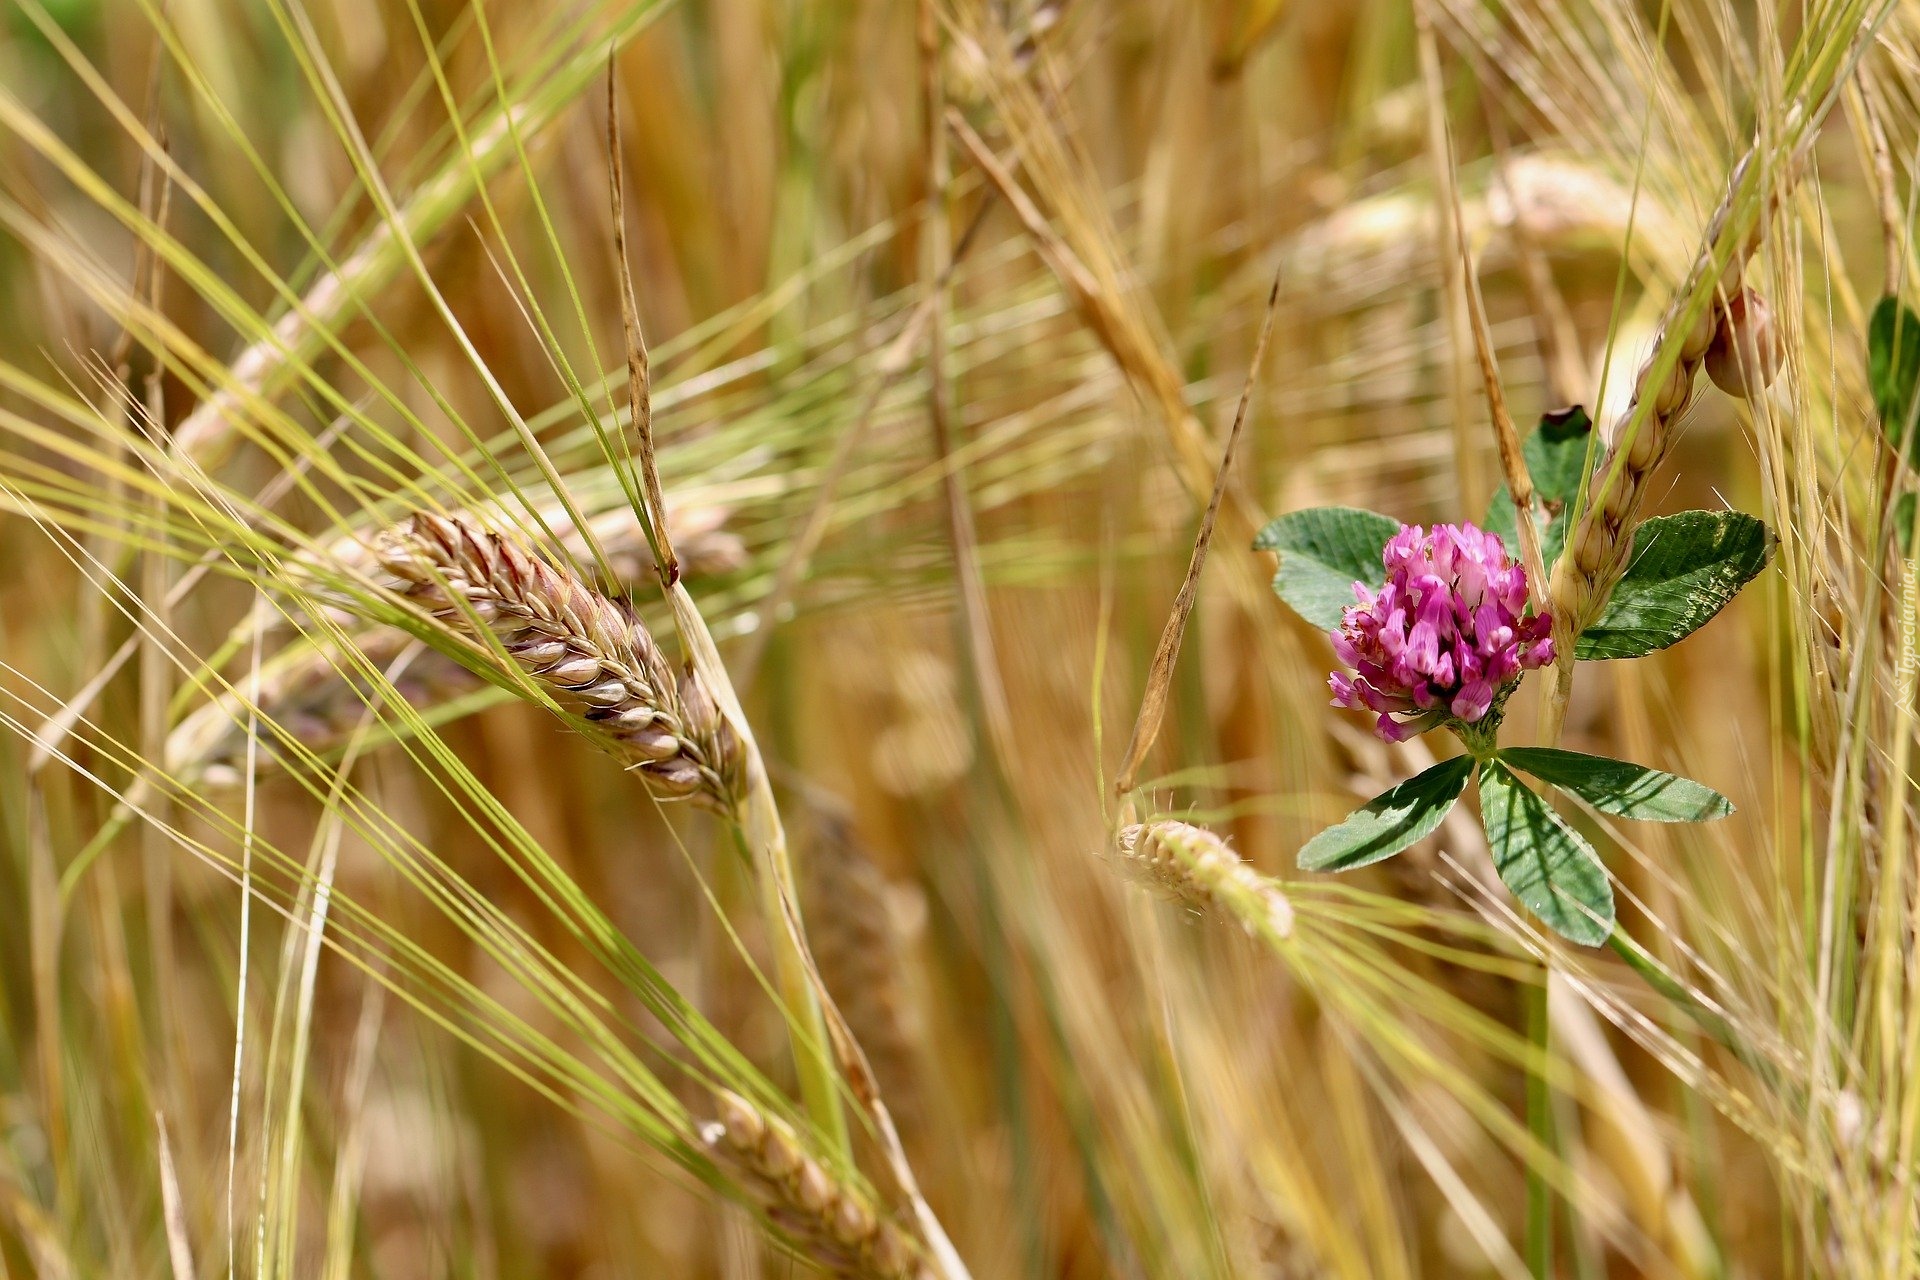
(587, 650)
(832, 1222)
(1203, 871)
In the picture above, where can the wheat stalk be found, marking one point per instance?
(1600, 542)
(586, 649)
(1203, 871)
(833, 1221)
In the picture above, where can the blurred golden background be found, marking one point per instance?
(949, 306)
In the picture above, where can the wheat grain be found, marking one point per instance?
(585, 648)
(834, 1223)
(1203, 871)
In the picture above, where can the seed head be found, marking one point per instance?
(833, 1222)
(1203, 870)
(589, 650)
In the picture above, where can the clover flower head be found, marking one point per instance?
(1444, 637)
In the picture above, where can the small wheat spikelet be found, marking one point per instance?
(1203, 871)
(588, 650)
(835, 1224)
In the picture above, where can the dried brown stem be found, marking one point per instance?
(988, 687)
(639, 368)
(1456, 267)
(1153, 700)
(1506, 438)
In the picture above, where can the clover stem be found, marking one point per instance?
(1481, 738)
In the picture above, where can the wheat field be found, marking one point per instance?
(641, 638)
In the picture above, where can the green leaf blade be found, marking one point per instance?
(1323, 552)
(1390, 821)
(1685, 569)
(1620, 786)
(1547, 864)
(1893, 371)
(1556, 456)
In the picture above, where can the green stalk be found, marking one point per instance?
(758, 827)
(1539, 1244)
(1717, 1028)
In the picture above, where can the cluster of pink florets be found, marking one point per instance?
(1445, 635)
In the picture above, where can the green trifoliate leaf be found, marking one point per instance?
(1556, 457)
(1893, 371)
(1545, 862)
(1685, 568)
(1323, 552)
(1390, 821)
(1619, 786)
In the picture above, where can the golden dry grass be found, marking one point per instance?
(327, 949)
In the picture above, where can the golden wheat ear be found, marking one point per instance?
(833, 1222)
(590, 652)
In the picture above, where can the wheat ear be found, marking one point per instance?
(1203, 871)
(313, 690)
(832, 1221)
(587, 650)
(1601, 542)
